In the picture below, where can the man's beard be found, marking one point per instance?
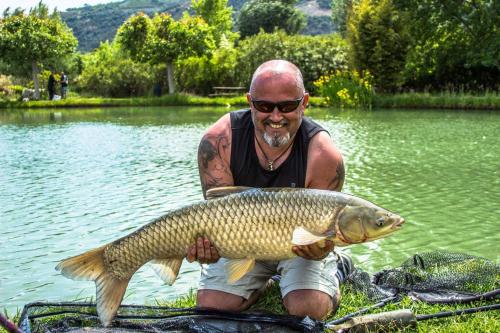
(276, 140)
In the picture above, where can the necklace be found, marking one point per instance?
(270, 163)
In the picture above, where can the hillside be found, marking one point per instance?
(93, 24)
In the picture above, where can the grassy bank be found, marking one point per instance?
(271, 302)
(478, 322)
(489, 101)
(167, 100)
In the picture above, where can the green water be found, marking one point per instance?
(71, 180)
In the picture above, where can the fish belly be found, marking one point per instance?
(252, 226)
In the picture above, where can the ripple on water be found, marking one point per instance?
(68, 187)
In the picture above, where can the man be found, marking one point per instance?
(51, 85)
(64, 85)
(271, 145)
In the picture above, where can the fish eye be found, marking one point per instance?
(380, 221)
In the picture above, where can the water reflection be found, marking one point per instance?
(71, 180)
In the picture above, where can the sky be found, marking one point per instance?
(61, 5)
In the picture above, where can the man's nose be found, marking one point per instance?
(276, 115)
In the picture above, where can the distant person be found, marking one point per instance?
(157, 90)
(51, 86)
(64, 85)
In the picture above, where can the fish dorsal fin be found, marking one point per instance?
(301, 236)
(167, 269)
(237, 268)
(218, 192)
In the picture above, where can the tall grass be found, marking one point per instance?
(444, 100)
(166, 100)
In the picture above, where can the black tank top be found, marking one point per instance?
(245, 163)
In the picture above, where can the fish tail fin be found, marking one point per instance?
(109, 289)
(86, 266)
(110, 292)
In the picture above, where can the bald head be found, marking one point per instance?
(277, 70)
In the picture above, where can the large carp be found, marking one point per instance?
(244, 224)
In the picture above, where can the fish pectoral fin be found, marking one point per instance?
(219, 192)
(167, 269)
(301, 236)
(237, 268)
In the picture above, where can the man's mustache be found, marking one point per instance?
(282, 122)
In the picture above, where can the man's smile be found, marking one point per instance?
(276, 125)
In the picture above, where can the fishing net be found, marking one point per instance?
(82, 317)
(434, 277)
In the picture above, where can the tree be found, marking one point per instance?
(164, 40)
(109, 72)
(454, 43)
(30, 42)
(269, 16)
(135, 34)
(340, 12)
(218, 16)
(379, 41)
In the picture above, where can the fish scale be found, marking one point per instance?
(243, 224)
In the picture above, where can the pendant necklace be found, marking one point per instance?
(270, 163)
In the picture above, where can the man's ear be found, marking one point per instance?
(249, 99)
(305, 102)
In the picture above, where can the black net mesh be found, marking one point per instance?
(439, 277)
(434, 277)
(82, 317)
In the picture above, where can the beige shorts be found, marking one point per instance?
(296, 273)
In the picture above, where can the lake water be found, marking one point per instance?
(71, 180)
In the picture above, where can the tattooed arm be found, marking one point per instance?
(325, 170)
(214, 155)
(325, 166)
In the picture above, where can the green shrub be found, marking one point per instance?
(378, 36)
(346, 89)
(314, 55)
(109, 72)
(198, 75)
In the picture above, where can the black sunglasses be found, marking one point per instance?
(284, 107)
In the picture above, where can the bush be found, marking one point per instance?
(314, 55)
(346, 89)
(5, 84)
(378, 36)
(108, 72)
(198, 75)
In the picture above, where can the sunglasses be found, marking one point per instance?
(283, 107)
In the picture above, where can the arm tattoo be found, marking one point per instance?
(206, 152)
(211, 163)
(338, 181)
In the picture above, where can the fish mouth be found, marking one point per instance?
(398, 224)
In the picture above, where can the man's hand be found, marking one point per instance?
(203, 252)
(314, 251)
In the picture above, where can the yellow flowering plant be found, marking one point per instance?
(346, 89)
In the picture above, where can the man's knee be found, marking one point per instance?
(313, 303)
(220, 300)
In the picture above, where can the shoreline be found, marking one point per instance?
(489, 101)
